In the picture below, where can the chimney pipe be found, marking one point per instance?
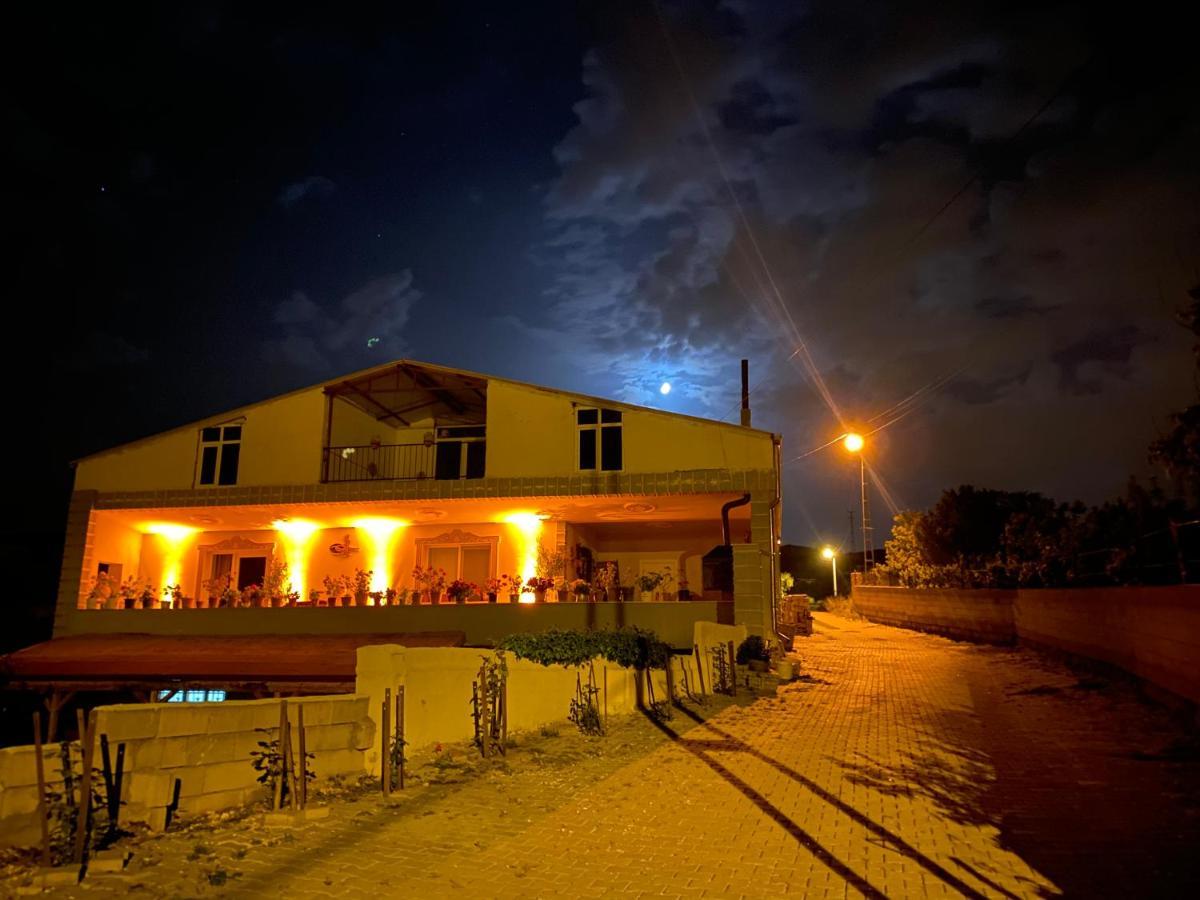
(746, 393)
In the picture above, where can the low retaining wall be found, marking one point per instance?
(437, 683)
(1150, 632)
(206, 746)
(982, 616)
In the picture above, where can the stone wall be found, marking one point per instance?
(206, 746)
(984, 616)
(1150, 632)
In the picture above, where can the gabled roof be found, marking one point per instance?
(405, 385)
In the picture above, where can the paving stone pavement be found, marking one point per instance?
(901, 765)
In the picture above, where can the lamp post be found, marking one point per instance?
(853, 442)
(827, 553)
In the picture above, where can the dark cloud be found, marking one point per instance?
(1084, 364)
(320, 339)
(313, 186)
(773, 195)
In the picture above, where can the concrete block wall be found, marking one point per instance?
(206, 746)
(437, 685)
(1150, 632)
(18, 790)
(985, 616)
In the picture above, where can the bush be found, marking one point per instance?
(631, 647)
(752, 647)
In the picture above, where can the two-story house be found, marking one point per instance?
(381, 476)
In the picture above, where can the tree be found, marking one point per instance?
(1178, 451)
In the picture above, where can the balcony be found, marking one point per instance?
(380, 462)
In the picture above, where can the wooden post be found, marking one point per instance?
(671, 680)
(699, 667)
(41, 783)
(289, 758)
(400, 729)
(606, 698)
(732, 671)
(282, 774)
(485, 718)
(112, 784)
(385, 760)
(504, 716)
(87, 740)
(303, 757)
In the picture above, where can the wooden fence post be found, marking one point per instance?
(385, 760)
(41, 783)
(303, 756)
(87, 740)
(400, 730)
(282, 750)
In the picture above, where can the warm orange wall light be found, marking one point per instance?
(173, 539)
(297, 537)
(530, 526)
(381, 538)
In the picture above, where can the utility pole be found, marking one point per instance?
(868, 549)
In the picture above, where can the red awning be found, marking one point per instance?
(236, 659)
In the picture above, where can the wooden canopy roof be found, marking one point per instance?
(234, 662)
(406, 392)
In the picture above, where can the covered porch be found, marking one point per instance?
(410, 566)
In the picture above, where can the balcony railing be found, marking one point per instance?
(380, 462)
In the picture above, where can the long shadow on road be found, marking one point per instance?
(701, 750)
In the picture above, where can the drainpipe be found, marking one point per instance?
(776, 510)
(725, 508)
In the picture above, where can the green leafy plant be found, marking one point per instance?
(630, 647)
(268, 762)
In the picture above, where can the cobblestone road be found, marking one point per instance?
(904, 765)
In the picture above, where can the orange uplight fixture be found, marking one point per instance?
(530, 526)
(381, 537)
(173, 538)
(297, 537)
(853, 442)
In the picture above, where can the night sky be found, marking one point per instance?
(210, 204)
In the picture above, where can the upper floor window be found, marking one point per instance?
(220, 451)
(599, 439)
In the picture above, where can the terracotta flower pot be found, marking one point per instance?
(539, 596)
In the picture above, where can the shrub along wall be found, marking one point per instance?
(206, 746)
(1150, 632)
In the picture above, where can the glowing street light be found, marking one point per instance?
(828, 553)
(853, 442)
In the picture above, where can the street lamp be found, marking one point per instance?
(853, 442)
(827, 553)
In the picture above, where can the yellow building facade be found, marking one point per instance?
(365, 484)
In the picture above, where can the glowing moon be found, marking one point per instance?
(665, 388)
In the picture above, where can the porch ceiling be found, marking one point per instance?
(406, 393)
(658, 509)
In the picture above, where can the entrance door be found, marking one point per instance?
(251, 570)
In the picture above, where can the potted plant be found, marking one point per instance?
(314, 597)
(275, 584)
(606, 582)
(432, 582)
(648, 582)
(362, 586)
(178, 601)
(103, 592)
(580, 589)
(512, 585)
(459, 590)
(539, 586)
(493, 587)
(147, 596)
(753, 652)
